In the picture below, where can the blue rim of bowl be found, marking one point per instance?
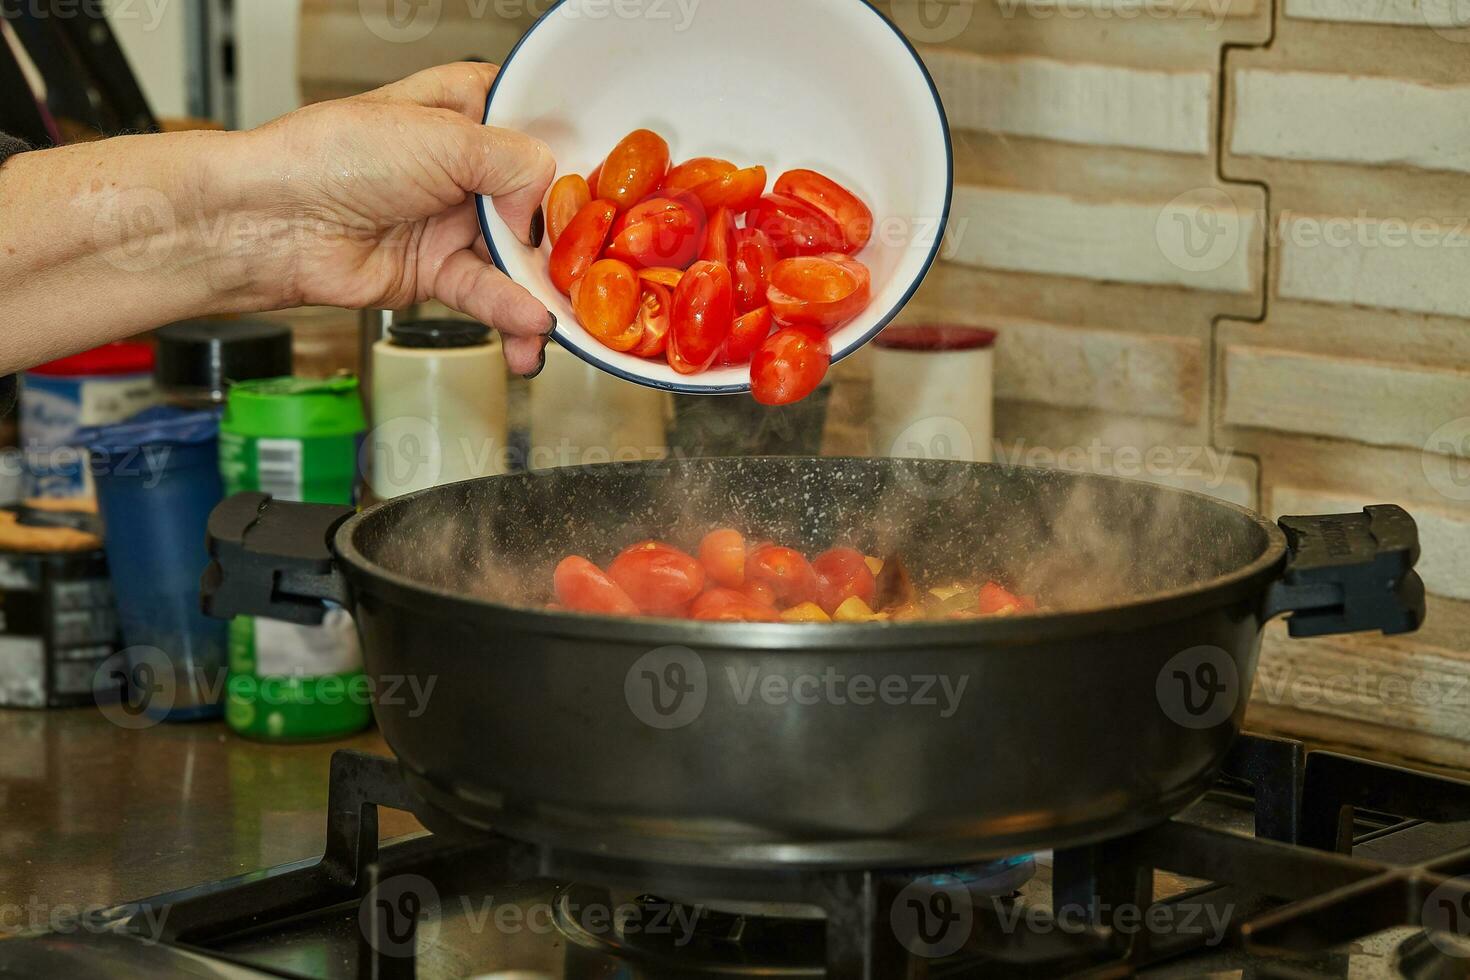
(692, 389)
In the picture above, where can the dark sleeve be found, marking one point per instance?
(9, 147)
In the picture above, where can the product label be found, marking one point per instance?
(22, 671)
(51, 411)
(316, 471)
(278, 467)
(289, 649)
(70, 623)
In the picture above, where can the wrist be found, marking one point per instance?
(241, 227)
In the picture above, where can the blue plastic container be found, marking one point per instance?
(157, 479)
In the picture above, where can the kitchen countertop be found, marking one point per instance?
(95, 815)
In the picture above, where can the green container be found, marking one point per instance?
(296, 439)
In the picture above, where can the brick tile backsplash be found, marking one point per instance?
(1445, 14)
(1104, 105)
(1406, 263)
(1104, 370)
(1106, 240)
(1348, 118)
(1380, 402)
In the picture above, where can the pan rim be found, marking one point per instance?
(1247, 582)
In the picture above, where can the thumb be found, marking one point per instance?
(515, 171)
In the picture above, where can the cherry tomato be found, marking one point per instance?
(841, 574)
(659, 578)
(819, 291)
(581, 243)
(786, 571)
(691, 173)
(653, 316)
(795, 227)
(569, 195)
(582, 586)
(727, 605)
(832, 199)
(747, 333)
(994, 598)
(789, 366)
(703, 311)
(595, 177)
(723, 554)
(753, 259)
(761, 592)
(663, 275)
(606, 302)
(738, 190)
(634, 169)
(719, 237)
(658, 232)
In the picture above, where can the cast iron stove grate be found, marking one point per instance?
(1333, 849)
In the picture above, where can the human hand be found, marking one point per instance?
(378, 191)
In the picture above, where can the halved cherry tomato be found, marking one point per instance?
(727, 605)
(581, 243)
(658, 232)
(606, 302)
(789, 366)
(786, 571)
(841, 574)
(582, 586)
(995, 598)
(751, 264)
(654, 316)
(703, 311)
(795, 227)
(719, 236)
(663, 275)
(738, 190)
(569, 195)
(832, 199)
(747, 333)
(634, 169)
(691, 173)
(723, 554)
(659, 578)
(819, 291)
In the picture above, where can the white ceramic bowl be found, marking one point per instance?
(826, 84)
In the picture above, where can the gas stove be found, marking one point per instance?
(1295, 865)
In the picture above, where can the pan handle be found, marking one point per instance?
(272, 558)
(1350, 572)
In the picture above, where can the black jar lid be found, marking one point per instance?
(213, 354)
(441, 334)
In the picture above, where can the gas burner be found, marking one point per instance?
(657, 938)
(1280, 871)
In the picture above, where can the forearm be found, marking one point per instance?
(103, 240)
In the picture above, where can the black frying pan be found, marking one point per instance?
(724, 743)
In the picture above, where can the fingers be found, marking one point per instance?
(476, 288)
(511, 168)
(462, 87)
(515, 171)
(525, 356)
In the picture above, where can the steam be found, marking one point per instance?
(1073, 541)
